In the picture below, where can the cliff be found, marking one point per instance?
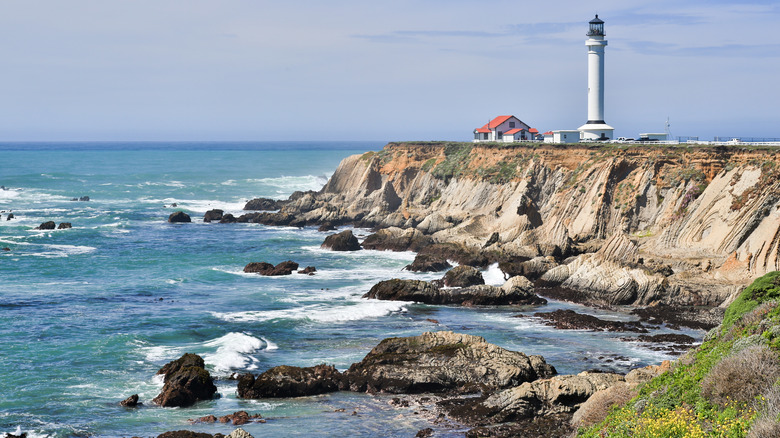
(685, 225)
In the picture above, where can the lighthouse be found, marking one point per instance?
(596, 128)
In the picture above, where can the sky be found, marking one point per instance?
(255, 70)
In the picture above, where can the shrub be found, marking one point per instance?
(596, 408)
(742, 377)
(768, 407)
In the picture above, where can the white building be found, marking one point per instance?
(505, 129)
(596, 128)
(565, 136)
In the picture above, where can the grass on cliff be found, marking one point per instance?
(727, 387)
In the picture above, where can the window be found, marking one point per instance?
(511, 124)
(500, 135)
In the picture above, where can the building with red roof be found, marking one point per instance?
(505, 129)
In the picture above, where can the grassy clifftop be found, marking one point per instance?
(727, 387)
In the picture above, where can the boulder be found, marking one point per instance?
(428, 263)
(309, 270)
(239, 418)
(462, 276)
(64, 226)
(6, 249)
(433, 223)
(529, 268)
(228, 219)
(9, 217)
(442, 362)
(185, 434)
(263, 268)
(407, 290)
(571, 320)
(327, 226)
(50, 225)
(289, 381)
(179, 216)
(559, 394)
(239, 433)
(130, 402)
(396, 239)
(186, 382)
(424, 292)
(84, 198)
(213, 215)
(343, 241)
(266, 204)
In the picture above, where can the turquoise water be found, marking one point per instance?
(88, 314)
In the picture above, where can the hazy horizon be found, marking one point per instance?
(344, 70)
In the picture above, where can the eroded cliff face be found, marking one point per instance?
(712, 214)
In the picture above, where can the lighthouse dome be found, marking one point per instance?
(596, 26)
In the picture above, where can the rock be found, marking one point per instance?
(239, 418)
(213, 215)
(424, 292)
(571, 320)
(130, 402)
(206, 419)
(21, 435)
(9, 217)
(559, 394)
(327, 226)
(462, 276)
(493, 239)
(84, 198)
(433, 223)
(442, 361)
(424, 433)
(428, 263)
(267, 204)
(529, 268)
(309, 270)
(343, 241)
(228, 219)
(459, 253)
(186, 382)
(677, 338)
(64, 226)
(6, 249)
(407, 290)
(289, 381)
(184, 434)
(396, 239)
(239, 433)
(263, 268)
(179, 216)
(50, 225)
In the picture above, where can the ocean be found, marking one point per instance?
(89, 314)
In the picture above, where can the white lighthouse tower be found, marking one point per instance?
(596, 128)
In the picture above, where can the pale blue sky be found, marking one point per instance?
(360, 70)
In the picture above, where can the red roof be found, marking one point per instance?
(513, 131)
(483, 130)
(548, 133)
(533, 131)
(495, 122)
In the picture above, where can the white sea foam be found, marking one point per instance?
(493, 276)
(233, 351)
(323, 313)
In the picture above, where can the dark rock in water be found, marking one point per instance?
(546, 426)
(74, 199)
(461, 254)
(396, 239)
(130, 402)
(50, 225)
(9, 217)
(462, 276)
(213, 215)
(299, 194)
(327, 226)
(186, 382)
(174, 205)
(228, 219)
(424, 433)
(343, 241)
(569, 319)
(309, 270)
(179, 216)
(64, 226)
(21, 435)
(676, 338)
(239, 418)
(287, 381)
(492, 240)
(206, 419)
(84, 198)
(185, 434)
(428, 263)
(266, 204)
(685, 316)
(263, 268)
(6, 249)
(265, 218)
(442, 362)
(424, 292)
(528, 268)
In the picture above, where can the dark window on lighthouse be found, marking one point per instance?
(596, 26)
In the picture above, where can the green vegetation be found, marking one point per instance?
(727, 387)
(426, 167)
(457, 158)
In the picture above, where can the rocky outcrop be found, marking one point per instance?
(442, 361)
(512, 293)
(179, 217)
(543, 397)
(258, 204)
(64, 226)
(50, 225)
(214, 215)
(428, 263)
(343, 241)
(396, 239)
(130, 402)
(463, 276)
(288, 381)
(571, 320)
(263, 268)
(186, 381)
